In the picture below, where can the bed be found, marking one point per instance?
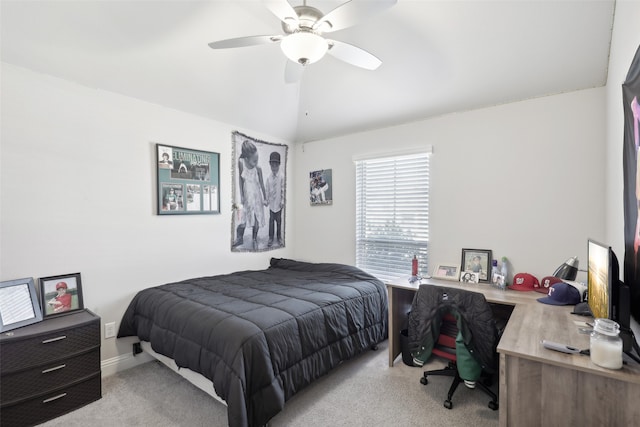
(261, 336)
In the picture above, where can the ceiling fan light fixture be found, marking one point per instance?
(304, 47)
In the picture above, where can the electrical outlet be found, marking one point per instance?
(110, 330)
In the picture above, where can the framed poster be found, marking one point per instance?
(320, 187)
(18, 304)
(61, 294)
(631, 176)
(188, 181)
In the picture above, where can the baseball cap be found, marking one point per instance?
(274, 157)
(561, 294)
(61, 285)
(545, 284)
(524, 282)
(581, 287)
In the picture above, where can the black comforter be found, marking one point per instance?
(261, 336)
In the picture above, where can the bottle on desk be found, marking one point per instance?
(414, 266)
(504, 271)
(605, 345)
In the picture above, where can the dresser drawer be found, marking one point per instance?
(38, 350)
(52, 404)
(25, 384)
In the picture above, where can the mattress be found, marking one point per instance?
(261, 336)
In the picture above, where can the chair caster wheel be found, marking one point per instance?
(424, 381)
(493, 405)
(448, 404)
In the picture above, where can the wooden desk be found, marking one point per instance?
(544, 387)
(401, 296)
(540, 387)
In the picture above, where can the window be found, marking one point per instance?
(392, 214)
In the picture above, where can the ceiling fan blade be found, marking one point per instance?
(353, 55)
(292, 72)
(350, 13)
(283, 10)
(244, 41)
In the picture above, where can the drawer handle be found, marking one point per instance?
(46, 371)
(54, 339)
(51, 399)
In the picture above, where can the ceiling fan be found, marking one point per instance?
(304, 26)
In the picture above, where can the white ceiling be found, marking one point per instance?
(438, 57)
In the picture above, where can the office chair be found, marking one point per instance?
(451, 323)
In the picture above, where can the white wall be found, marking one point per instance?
(78, 194)
(525, 180)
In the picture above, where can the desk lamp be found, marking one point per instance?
(568, 270)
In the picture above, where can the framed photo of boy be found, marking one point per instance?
(477, 261)
(446, 271)
(61, 294)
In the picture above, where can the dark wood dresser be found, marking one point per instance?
(49, 368)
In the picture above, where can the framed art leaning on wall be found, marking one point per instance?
(18, 304)
(61, 294)
(188, 181)
(477, 261)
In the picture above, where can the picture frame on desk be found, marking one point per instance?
(447, 272)
(469, 277)
(477, 261)
(18, 304)
(499, 280)
(61, 294)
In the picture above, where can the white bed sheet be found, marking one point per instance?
(194, 378)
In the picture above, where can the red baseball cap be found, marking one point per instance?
(61, 285)
(545, 284)
(524, 282)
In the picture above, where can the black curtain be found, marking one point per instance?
(630, 159)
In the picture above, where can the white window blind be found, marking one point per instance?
(392, 215)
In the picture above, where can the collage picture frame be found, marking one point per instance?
(188, 181)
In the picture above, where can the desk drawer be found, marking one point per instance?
(45, 348)
(52, 404)
(25, 384)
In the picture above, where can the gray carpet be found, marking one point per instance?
(362, 391)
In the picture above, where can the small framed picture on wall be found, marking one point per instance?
(320, 187)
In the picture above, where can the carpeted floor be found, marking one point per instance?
(361, 392)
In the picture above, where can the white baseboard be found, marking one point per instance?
(123, 362)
